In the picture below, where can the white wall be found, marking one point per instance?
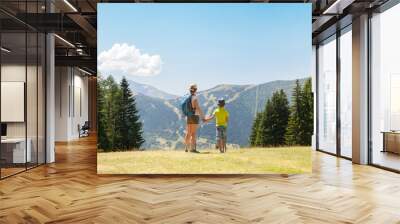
(62, 83)
(71, 102)
(33, 126)
(80, 105)
(16, 73)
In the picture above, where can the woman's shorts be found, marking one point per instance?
(221, 133)
(193, 119)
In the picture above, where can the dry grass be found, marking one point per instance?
(287, 160)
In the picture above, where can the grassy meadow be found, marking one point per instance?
(285, 160)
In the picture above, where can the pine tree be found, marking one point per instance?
(275, 120)
(291, 135)
(294, 130)
(281, 111)
(265, 133)
(112, 99)
(307, 114)
(103, 143)
(255, 131)
(128, 123)
(259, 136)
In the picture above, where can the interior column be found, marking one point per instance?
(360, 90)
(50, 92)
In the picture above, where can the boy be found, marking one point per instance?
(221, 116)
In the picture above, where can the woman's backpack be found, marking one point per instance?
(186, 106)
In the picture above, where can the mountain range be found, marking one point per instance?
(164, 124)
(150, 91)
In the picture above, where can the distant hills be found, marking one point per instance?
(164, 124)
(150, 91)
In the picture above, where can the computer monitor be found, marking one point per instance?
(3, 129)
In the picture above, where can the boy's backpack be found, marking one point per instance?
(186, 106)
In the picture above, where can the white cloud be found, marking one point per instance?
(126, 59)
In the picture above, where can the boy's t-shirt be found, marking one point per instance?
(221, 116)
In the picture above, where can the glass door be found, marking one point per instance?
(22, 77)
(385, 89)
(14, 154)
(346, 92)
(327, 95)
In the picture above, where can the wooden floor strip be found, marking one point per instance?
(70, 191)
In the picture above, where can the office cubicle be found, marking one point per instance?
(22, 77)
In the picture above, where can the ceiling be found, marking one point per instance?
(74, 22)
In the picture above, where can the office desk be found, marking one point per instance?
(391, 141)
(13, 150)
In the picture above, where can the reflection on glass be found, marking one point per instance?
(346, 94)
(41, 98)
(385, 89)
(14, 153)
(22, 92)
(31, 101)
(327, 96)
(395, 102)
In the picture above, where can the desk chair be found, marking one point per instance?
(84, 130)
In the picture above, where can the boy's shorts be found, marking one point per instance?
(221, 133)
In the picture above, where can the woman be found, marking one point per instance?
(193, 121)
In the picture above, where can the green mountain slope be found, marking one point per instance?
(164, 124)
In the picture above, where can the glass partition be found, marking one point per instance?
(346, 93)
(31, 98)
(385, 89)
(327, 95)
(41, 85)
(22, 101)
(14, 153)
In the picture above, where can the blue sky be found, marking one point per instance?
(170, 46)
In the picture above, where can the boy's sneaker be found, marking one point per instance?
(195, 151)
